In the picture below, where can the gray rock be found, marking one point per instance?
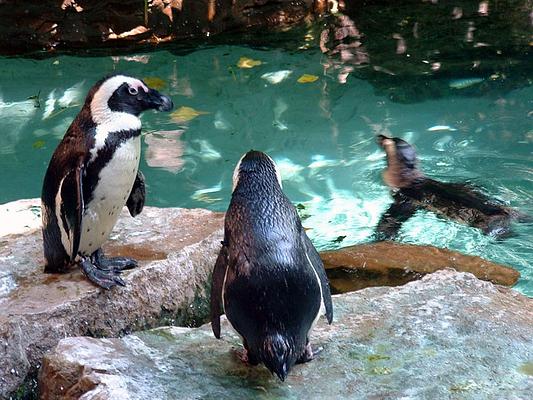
(447, 336)
(176, 249)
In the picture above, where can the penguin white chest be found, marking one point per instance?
(110, 194)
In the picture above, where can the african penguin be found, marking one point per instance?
(268, 276)
(412, 191)
(93, 173)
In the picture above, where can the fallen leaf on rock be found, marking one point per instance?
(307, 78)
(184, 114)
(154, 82)
(245, 62)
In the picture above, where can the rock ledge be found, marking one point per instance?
(176, 250)
(446, 336)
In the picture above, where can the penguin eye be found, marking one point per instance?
(133, 91)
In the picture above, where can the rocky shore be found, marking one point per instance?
(447, 336)
(177, 249)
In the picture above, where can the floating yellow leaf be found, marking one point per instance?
(184, 114)
(306, 78)
(245, 62)
(154, 82)
(38, 144)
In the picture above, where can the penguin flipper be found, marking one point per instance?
(391, 221)
(137, 196)
(72, 207)
(217, 288)
(318, 266)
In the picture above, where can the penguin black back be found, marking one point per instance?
(268, 276)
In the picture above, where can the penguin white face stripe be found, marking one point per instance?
(100, 111)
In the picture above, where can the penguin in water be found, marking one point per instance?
(268, 276)
(93, 173)
(412, 191)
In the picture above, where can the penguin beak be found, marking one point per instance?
(381, 140)
(158, 101)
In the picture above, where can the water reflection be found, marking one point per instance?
(14, 116)
(397, 72)
(341, 42)
(71, 97)
(405, 49)
(164, 149)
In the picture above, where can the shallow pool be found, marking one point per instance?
(316, 113)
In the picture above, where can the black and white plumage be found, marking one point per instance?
(268, 277)
(413, 191)
(93, 173)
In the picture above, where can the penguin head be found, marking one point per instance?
(402, 170)
(399, 150)
(278, 355)
(125, 95)
(256, 166)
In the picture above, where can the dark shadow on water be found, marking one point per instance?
(410, 51)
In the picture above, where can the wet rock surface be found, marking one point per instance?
(176, 250)
(446, 336)
(390, 264)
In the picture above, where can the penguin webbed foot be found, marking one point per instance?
(106, 279)
(113, 264)
(245, 357)
(308, 354)
(104, 271)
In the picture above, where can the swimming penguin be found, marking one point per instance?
(268, 276)
(412, 191)
(93, 173)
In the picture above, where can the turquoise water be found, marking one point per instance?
(469, 126)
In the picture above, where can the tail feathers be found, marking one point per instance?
(278, 354)
(523, 218)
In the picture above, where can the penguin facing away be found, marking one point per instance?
(93, 173)
(413, 191)
(268, 276)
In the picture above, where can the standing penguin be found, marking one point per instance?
(268, 276)
(93, 173)
(412, 191)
